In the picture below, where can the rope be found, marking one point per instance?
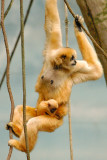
(7, 10)
(88, 34)
(69, 106)
(17, 40)
(66, 25)
(70, 130)
(24, 82)
(7, 74)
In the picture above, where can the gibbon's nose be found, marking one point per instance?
(74, 63)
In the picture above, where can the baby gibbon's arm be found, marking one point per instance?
(52, 26)
(91, 68)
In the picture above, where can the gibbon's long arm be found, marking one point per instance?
(91, 67)
(52, 27)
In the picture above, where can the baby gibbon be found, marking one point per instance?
(60, 72)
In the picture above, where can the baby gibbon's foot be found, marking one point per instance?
(16, 131)
(50, 106)
(78, 21)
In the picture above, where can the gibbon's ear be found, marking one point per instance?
(57, 62)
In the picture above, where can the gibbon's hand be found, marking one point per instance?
(78, 21)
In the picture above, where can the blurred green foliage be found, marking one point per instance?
(102, 16)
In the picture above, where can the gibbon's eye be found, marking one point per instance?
(72, 58)
(63, 56)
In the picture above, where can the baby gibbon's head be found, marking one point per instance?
(66, 58)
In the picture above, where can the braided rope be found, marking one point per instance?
(7, 10)
(69, 106)
(7, 73)
(24, 81)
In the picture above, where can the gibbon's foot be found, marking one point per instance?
(16, 144)
(78, 21)
(16, 131)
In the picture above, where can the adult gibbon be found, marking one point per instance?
(60, 72)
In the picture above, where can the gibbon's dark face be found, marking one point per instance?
(68, 58)
(69, 61)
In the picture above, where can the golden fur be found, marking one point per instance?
(60, 72)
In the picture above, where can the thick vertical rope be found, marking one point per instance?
(24, 81)
(7, 74)
(70, 130)
(69, 106)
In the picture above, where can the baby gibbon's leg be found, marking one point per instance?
(17, 124)
(40, 123)
(52, 26)
(92, 69)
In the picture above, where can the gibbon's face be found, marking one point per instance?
(68, 57)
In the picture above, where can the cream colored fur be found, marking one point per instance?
(60, 72)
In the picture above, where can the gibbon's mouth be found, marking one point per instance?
(46, 113)
(73, 64)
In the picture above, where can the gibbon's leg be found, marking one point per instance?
(92, 69)
(39, 123)
(17, 124)
(47, 107)
(52, 26)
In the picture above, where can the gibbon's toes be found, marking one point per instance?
(11, 126)
(16, 144)
(8, 126)
(78, 21)
(11, 143)
(81, 19)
